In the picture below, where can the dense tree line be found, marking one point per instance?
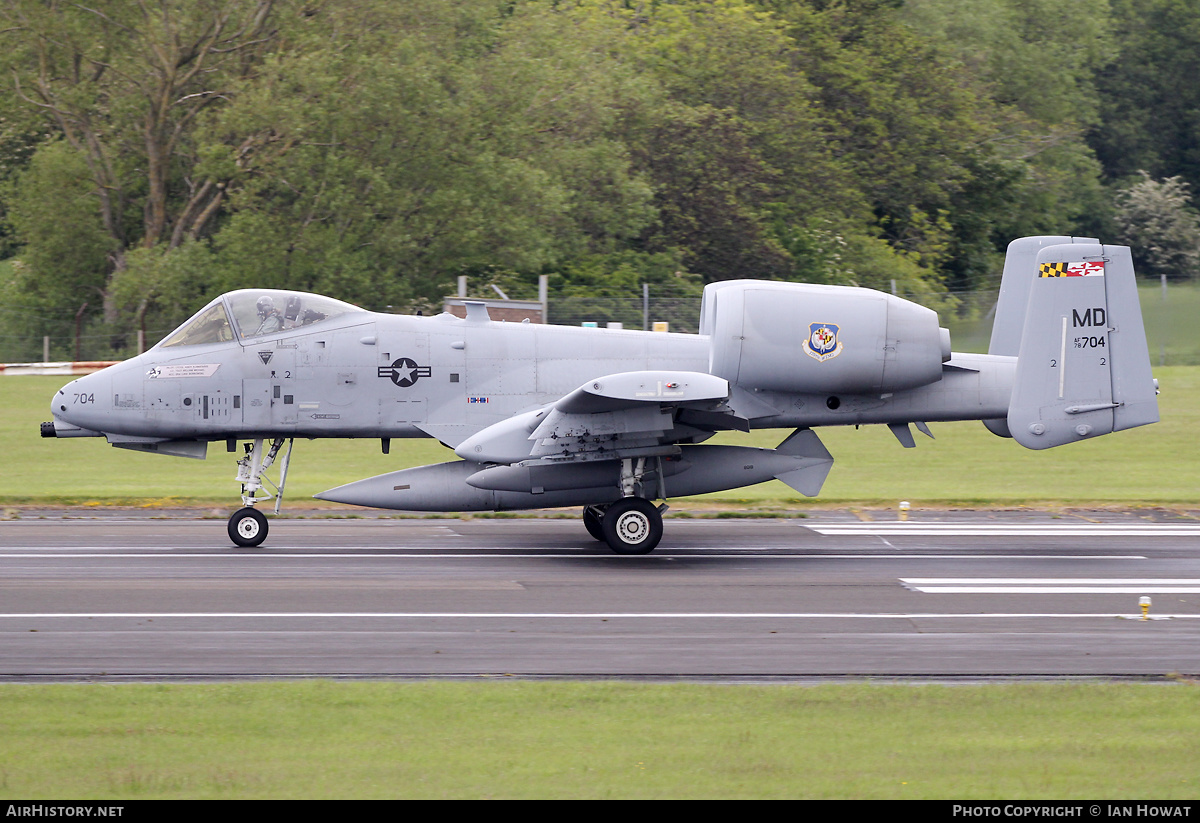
(154, 153)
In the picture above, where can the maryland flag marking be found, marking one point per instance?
(1090, 269)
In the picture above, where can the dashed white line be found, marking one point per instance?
(1048, 585)
(985, 530)
(575, 615)
(185, 553)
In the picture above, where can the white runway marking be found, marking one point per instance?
(578, 615)
(1008, 530)
(374, 552)
(1050, 585)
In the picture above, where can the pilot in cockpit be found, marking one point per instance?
(270, 318)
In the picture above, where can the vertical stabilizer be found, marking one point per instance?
(1083, 369)
(1020, 270)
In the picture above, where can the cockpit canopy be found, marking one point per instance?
(249, 313)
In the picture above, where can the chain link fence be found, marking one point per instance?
(968, 315)
(1171, 313)
(681, 314)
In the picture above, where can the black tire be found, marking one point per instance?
(248, 527)
(593, 521)
(632, 526)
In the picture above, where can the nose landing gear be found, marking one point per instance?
(248, 526)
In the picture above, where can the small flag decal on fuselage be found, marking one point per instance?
(1082, 269)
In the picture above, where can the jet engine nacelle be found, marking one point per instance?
(796, 337)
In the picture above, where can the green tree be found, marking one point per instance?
(1037, 61)
(391, 146)
(1161, 228)
(64, 266)
(905, 130)
(745, 158)
(1150, 101)
(123, 85)
(373, 150)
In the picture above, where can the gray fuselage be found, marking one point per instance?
(390, 376)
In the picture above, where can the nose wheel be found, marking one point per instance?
(248, 527)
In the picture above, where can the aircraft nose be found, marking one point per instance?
(79, 404)
(58, 403)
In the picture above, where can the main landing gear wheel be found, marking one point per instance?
(248, 527)
(593, 519)
(632, 525)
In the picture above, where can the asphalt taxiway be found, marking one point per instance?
(953, 596)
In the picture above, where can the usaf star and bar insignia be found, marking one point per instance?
(404, 372)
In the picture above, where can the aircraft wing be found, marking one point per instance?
(618, 415)
(638, 389)
(603, 441)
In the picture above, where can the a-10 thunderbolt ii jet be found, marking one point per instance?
(613, 420)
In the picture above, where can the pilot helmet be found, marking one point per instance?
(265, 306)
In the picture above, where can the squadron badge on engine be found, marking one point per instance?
(822, 343)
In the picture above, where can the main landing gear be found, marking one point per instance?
(248, 526)
(632, 525)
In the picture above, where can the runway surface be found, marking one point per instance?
(741, 599)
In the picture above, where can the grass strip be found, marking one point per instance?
(528, 739)
(965, 466)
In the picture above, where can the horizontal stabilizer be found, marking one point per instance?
(904, 434)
